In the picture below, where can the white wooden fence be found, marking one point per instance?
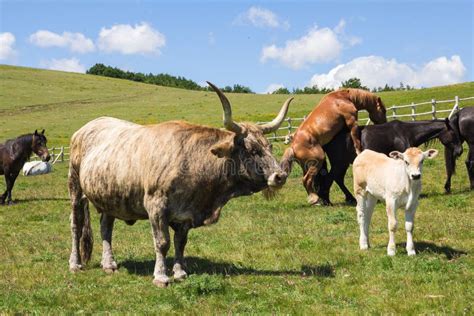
(438, 110)
(61, 154)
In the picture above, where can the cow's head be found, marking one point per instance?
(39, 145)
(413, 158)
(249, 151)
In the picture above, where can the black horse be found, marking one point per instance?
(463, 124)
(13, 155)
(384, 138)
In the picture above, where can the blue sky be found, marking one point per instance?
(262, 45)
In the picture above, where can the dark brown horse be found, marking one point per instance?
(463, 124)
(383, 138)
(336, 111)
(13, 155)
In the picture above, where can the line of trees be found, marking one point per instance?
(350, 83)
(165, 80)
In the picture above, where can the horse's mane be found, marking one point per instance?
(22, 140)
(359, 97)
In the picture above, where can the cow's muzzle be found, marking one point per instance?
(277, 179)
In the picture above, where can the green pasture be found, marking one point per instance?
(272, 257)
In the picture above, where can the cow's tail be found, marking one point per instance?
(287, 160)
(80, 219)
(87, 240)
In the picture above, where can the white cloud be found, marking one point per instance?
(64, 64)
(340, 26)
(76, 42)
(261, 17)
(273, 87)
(128, 39)
(317, 46)
(7, 41)
(376, 71)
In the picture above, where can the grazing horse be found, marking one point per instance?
(336, 110)
(13, 155)
(463, 124)
(174, 174)
(383, 138)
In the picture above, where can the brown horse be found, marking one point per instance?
(336, 110)
(13, 155)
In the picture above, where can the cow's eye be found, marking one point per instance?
(406, 162)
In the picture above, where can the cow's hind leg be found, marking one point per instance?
(180, 240)
(106, 227)
(156, 208)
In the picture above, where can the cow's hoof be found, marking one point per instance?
(364, 247)
(180, 275)
(162, 281)
(411, 252)
(109, 267)
(391, 252)
(110, 270)
(75, 268)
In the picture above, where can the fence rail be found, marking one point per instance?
(61, 154)
(436, 112)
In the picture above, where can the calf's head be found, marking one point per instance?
(413, 158)
(39, 146)
(248, 150)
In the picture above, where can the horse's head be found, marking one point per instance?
(449, 138)
(378, 113)
(39, 145)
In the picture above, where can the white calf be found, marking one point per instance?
(397, 180)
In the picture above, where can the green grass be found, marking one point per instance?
(280, 256)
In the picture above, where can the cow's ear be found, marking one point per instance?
(42, 132)
(396, 155)
(223, 148)
(430, 153)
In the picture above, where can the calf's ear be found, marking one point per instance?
(396, 155)
(430, 153)
(223, 148)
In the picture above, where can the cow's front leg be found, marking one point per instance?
(180, 240)
(106, 227)
(161, 238)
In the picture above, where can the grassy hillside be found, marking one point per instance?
(63, 102)
(280, 256)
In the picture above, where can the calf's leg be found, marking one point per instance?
(365, 208)
(392, 224)
(161, 237)
(180, 240)
(409, 225)
(106, 227)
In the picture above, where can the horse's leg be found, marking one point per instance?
(312, 167)
(11, 177)
(450, 164)
(323, 181)
(339, 175)
(470, 164)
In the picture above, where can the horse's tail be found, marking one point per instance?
(287, 160)
(87, 240)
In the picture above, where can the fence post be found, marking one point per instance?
(413, 110)
(455, 107)
(62, 153)
(289, 125)
(433, 109)
(52, 154)
(394, 111)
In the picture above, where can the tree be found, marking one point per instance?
(353, 83)
(281, 90)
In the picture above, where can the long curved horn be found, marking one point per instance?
(228, 122)
(275, 124)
